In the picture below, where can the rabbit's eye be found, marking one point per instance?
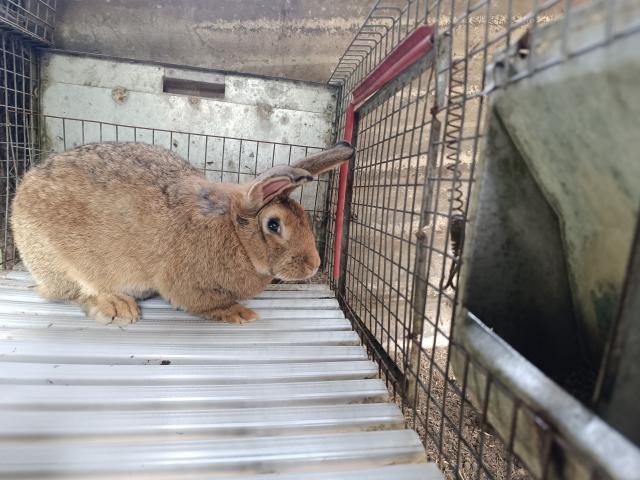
(274, 225)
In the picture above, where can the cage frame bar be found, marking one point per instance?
(415, 46)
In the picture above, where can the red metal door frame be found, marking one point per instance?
(409, 51)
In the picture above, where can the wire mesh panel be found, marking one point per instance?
(385, 209)
(18, 80)
(33, 18)
(222, 159)
(417, 143)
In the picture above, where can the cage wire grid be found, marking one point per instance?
(417, 144)
(33, 18)
(418, 141)
(18, 118)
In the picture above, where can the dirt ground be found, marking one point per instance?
(454, 458)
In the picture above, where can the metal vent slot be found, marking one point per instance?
(199, 84)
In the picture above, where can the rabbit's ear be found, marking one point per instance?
(327, 159)
(279, 180)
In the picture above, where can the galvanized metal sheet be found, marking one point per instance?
(99, 353)
(424, 471)
(18, 275)
(148, 397)
(30, 295)
(178, 323)
(212, 423)
(70, 374)
(174, 395)
(133, 337)
(32, 308)
(229, 455)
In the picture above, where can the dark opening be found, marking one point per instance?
(181, 86)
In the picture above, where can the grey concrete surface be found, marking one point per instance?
(120, 92)
(295, 39)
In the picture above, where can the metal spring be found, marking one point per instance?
(453, 133)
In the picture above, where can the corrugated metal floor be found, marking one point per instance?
(290, 396)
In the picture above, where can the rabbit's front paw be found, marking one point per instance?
(113, 309)
(236, 313)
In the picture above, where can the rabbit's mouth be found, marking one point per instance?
(301, 267)
(285, 277)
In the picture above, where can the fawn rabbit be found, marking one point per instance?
(104, 224)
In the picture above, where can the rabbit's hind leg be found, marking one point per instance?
(51, 281)
(53, 284)
(109, 308)
(61, 289)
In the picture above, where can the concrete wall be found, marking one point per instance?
(295, 39)
(127, 93)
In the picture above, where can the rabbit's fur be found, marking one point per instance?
(105, 224)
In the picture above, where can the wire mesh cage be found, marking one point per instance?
(407, 203)
(419, 139)
(18, 122)
(32, 18)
